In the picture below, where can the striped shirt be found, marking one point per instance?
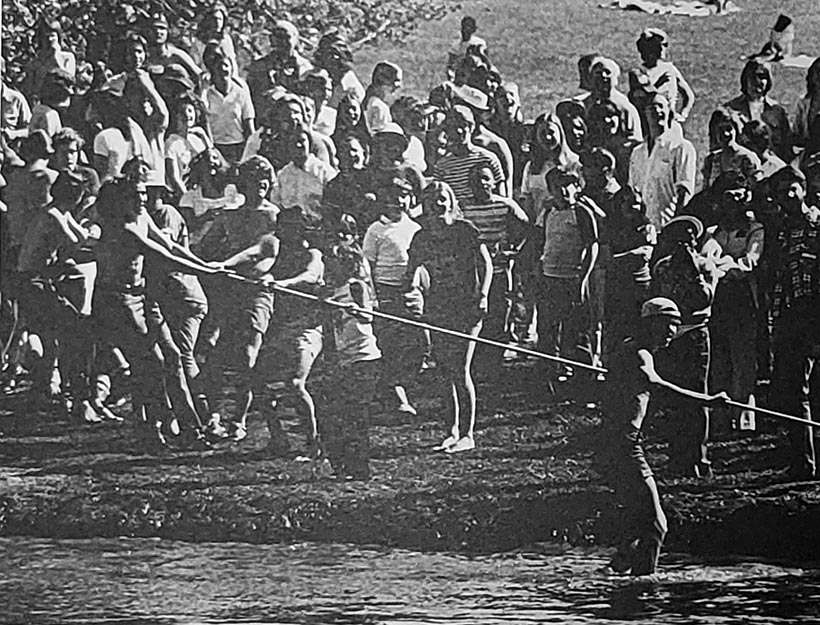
(454, 169)
(491, 221)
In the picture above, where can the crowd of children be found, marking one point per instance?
(148, 221)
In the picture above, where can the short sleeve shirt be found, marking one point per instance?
(454, 169)
(227, 112)
(450, 256)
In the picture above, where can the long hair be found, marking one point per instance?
(751, 68)
(204, 31)
(429, 195)
(540, 154)
(723, 115)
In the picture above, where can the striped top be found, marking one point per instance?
(491, 221)
(454, 169)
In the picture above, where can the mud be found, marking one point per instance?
(529, 480)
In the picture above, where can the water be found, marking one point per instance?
(153, 581)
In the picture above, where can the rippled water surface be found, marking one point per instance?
(152, 581)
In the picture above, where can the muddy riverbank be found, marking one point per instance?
(530, 480)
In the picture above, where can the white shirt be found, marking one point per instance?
(671, 166)
(377, 115)
(303, 186)
(227, 112)
(349, 83)
(385, 246)
(325, 121)
(184, 149)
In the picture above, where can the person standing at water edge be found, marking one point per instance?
(632, 379)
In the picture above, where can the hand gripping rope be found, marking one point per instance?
(490, 342)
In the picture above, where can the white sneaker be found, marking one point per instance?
(466, 443)
(447, 443)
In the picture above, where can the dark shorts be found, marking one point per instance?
(238, 312)
(290, 351)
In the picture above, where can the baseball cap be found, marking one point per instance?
(660, 307)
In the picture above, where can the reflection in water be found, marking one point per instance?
(153, 581)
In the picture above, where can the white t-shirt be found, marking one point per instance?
(227, 112)
(303, 187)
(386, 245)
(377, 115)
(184, 149)
(113, 146)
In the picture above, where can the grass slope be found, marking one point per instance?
(536, 44)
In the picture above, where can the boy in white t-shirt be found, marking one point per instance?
(350, 345)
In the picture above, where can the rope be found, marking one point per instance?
(490, 342)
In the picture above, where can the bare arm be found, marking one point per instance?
(151, 246)
(589, 233)
(687, 96)
(159, 116)
(485, 270)
(312, 273)
(174, 250)
(648, 368)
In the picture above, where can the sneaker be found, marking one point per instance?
(509, 355)
(407, 409)
(214, 427)
(446, 443)
(465, 443)
(86, 412)
(237, 432)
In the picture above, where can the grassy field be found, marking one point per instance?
(536, 44)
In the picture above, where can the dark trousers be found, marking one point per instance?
(560, 316)
(686, 363)
(345, 423)
(402, 346)
(794, 382)
(643, 519)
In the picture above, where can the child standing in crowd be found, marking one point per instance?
(568, 236)
(385, 246)
(500, 222)
(354, 358)
(454, 271)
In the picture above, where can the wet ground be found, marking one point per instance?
(151, 581)
(529, 480)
